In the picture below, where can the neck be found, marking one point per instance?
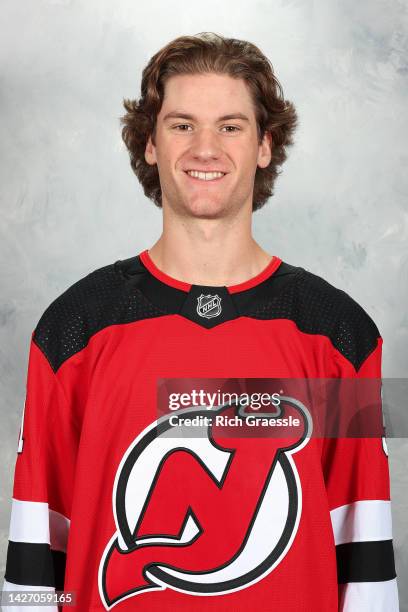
(212, 252)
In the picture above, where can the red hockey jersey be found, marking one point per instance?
(108, 506)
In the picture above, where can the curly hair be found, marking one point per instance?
(208, 52)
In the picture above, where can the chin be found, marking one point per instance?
(206, 209)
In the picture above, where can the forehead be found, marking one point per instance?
(210, 94)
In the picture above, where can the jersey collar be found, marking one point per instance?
(183, 286)
(208, 306)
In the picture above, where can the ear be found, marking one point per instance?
(150, 152)
(265, 150)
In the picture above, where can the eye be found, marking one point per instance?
(234, 127)
(178, 127)
(181, 125)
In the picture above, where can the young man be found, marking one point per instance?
(110, 500)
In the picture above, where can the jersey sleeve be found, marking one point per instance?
(357, 480)
(43, 485)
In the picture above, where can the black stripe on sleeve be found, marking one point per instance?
(365, 561)
(35, 564)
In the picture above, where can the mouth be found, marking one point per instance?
(205, 177)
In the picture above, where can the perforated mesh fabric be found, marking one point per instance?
(100, 299)
(111, 295)
(317, 307)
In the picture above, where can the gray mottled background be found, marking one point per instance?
(70, 203)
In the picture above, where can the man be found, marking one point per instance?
(113, 499)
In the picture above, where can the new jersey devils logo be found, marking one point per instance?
(202, 513)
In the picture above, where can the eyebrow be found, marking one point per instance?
(181, 115)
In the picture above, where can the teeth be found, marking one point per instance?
(205, 176)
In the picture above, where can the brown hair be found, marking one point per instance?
(210, 53)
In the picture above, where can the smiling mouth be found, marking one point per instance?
(205, 177)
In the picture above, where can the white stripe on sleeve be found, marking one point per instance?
(362, 521)
(34, 522)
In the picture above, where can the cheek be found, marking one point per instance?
(163, 162)
(170, 157)
(247, 165)
(243, 154)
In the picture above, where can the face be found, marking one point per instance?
(207, 124)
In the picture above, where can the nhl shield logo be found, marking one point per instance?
(208, 306)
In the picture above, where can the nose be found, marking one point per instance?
(205, 145)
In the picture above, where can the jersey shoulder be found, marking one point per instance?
(333, 312)
(352, 330)
(318, 307)
(105, 296)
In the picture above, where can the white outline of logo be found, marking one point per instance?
(212, 298)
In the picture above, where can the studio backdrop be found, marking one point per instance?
(70, 202)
